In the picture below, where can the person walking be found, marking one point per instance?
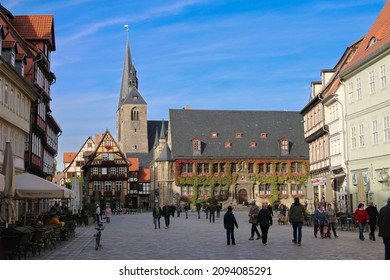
(296, 216)
(265, 221)
(173, 209)
(156, 215)
(361, 218)
(98, 214)
(198, 208)
(108, 214)
(253, 215)
(166, 212)
(229, 222)
(218, 208)
(373, 214)
(212, 212)
(186, 209)
(384, 226)
(269, 207)
(206, 210)
(178, 210)
(331, 218)
(319, 221)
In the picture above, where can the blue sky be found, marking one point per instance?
(221, 54)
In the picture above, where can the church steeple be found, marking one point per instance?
(131, 115)
(129, 88)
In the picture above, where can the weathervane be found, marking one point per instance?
(127, 30)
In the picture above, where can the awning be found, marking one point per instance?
(29, 186)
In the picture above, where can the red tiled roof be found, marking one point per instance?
(69, 156)
(35, 27)
(8, 44)
(379, 30)
(134, 166)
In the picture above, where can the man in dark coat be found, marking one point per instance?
(166, 212)
(373, 216)
(384, 227)
(156, 215)
(296, 216)
(229, 221)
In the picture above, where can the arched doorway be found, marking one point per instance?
(242, 196)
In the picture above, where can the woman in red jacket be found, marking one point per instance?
(361, 217)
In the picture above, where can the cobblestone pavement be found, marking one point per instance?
(134, 237)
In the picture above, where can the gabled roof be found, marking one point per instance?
(189, 124)
(35, 27)
(69, 156)
(375, 41)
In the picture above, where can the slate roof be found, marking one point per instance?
(189, 124)
(154, 128)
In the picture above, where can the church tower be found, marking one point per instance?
(131, 116)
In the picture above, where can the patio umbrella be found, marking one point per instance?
(310, 196)
(2, 183)
(29, 186)
(8, 171)
(361, 193)
(328, 190)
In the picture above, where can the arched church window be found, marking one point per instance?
(134, 114)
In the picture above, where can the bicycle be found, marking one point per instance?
(99, 227)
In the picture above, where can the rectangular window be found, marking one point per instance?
(383, 76)
(113, 170)
(353, 138)
(282, 188)
(251, 167)
(386, 128)
(203, 168)
(358, 89)
(268, 167)
(118, 185)
(333, 112)
(375, 132)
(215, 167)
(96, 185)
(350, 92)
(261, 167)
(265, 189)
(186, 168)
(371, 78)
(104, 170)
(121, 170)
(234, 167)
(104, 156)
(361, 135)
(95, 171)
(296, 167)
(223, 167)
(107, 186)
(296, 189)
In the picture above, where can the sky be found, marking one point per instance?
(208, 54)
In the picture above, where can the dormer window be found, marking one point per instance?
(252, 144)
(263, 135)
(284, 146)
(214, 134)
(196, 146)
(228, 144)
(239, 134)
(373, 41)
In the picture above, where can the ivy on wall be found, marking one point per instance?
(227, 178)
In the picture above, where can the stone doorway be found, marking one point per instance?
(242, 196)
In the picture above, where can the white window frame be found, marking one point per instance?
(375, 136)
(353, 138)
(383, 76)
(350, 92)
(358, 89)
(386, 128)
(371, 81)
(96, 185)
(361, 135)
